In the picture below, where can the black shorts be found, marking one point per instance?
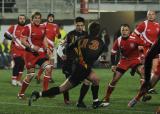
(67, 68)
(41, 61)
(79, 73)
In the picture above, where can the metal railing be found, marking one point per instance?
(61, 8)
(11, 8)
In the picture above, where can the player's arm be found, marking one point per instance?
(47, 49)
(24, 40)
(67, 42)
(8, 34)
(139, 29)
(113, 55)
(71, 46)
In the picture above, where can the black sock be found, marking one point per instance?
(95, 89)
(51, 92)
(83, 91)
(66, 95)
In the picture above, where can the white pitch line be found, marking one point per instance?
(74, 108)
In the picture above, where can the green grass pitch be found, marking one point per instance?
(124, 91)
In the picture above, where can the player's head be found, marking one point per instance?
(50, 18)
(125, 30)
(36, 18)
(79, 23)
(94, 29)
(22, 20)
(151, 15)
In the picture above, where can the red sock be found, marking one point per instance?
(24, 87)
(40, 73)
(46, 82)
(19, 76)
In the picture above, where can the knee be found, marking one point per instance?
(48, 68)
(29, 76)
(62, 89)
(96, 80)
(86, 82)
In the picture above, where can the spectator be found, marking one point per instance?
(2, 58)
(5, 58)
(6, 53)
(58, 41)
(106, 39)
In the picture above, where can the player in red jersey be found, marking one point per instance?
(150, 81)
(17, 49)
(128, 47)
(33, 38)
(52, 31)
(148, 30)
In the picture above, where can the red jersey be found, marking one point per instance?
(16, 31)
(148, 30)
(52, 30)
(128, 47)
(35, 34)
(17, 49)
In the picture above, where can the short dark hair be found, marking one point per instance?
(35, 14)
(94, 28)
(21, 15)
(125, 25)
(50, 15)
(79, 19)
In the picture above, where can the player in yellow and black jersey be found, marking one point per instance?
(87, 49)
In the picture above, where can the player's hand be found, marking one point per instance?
(63, 57)
(31, 51)
(113, 68)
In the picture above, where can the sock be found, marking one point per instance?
(109, 92)
(95, 89)
(46, 82)
(83, 92)
(51, 92)
(14, 77)
(24, 87)
(40, 73)
(19, 76)
(66, 95)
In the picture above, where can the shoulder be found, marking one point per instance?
(12, 26)
(42, 25)
(71, 32)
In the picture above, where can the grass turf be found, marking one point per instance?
(126, 88)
